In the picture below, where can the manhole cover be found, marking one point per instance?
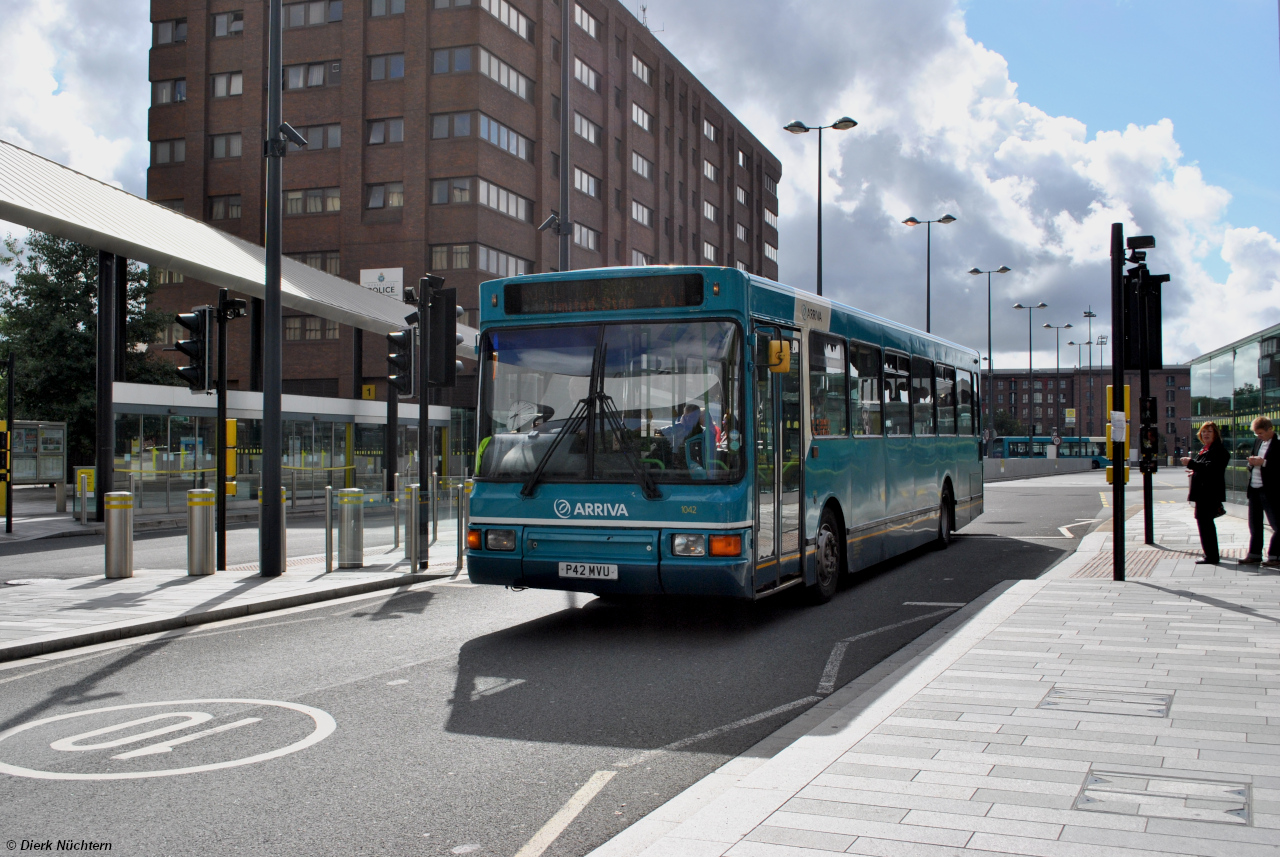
(1132, 703)
(1165, 797)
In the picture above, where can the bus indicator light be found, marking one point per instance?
(473, 540)
(726, 545)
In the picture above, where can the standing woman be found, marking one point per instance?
(1207, 469)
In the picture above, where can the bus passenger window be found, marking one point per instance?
(827, 397)
(965, 403)
(922, 395)
(864, 389)
(946, 395)
(897, 395)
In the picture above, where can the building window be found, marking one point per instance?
(771, 218)
(744, 160)
(1000, 398)
(447, 191)
(388, 195)
(585, 20)
(743, 233)
(228, 24)
(711, 171)
(312, 75)
(293, 328)
(502, 264)
(586, 75)
(322, 260)
(169, 91)
(311, 13)
(316, 200)
(444, 126)
(1170, 381)
(770, 252)
(504, 138)
(378, 8)
(641, 166)
(641, 214)
(503, 200)
(229, 83)
(586, 237)
(710, 252)
(586, 129)
(708, 130)
(382, 131)
(170, 152)
(743, 197)
(1039, 385)
(224, 207)
(171, 32)
(640, 259)
(391, 67)
(710, 212)
(503, 11)
(999, 385)
(641, 117)
(641, 70)
(586, 183)
(178, 205)
(505, 76)
(771, 184)
(1171, 428)
(225, 146)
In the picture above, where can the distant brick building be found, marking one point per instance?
(433, 145)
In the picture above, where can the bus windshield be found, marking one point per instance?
(669, 401)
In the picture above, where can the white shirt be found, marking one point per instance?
(1255, 478)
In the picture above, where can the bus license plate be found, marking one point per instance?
(588, 571)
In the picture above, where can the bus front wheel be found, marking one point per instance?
(946, 521)
(830, 558)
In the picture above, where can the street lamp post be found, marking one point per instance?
(844, 123)
(928, 264)
(1030, 360)
(990, 363)
(1057, 348)
(1089, 316)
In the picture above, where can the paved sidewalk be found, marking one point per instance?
(46, 616)
(1070, 716)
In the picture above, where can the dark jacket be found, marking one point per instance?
(1271, 472)
(1208, 475)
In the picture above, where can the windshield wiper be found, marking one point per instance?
(643, 476)
(580, 412)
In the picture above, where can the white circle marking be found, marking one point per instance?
(562, 508)
(325, 726)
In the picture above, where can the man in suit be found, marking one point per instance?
(1264, 493)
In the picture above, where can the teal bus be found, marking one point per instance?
(703, 431)
(1094, 448)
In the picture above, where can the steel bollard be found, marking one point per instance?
(462, 533)
(119, 534)
(200, 531)
(351, 528)
(412, 530)
(84, 499)
(395, 515)
(284, 528)
(328, 529)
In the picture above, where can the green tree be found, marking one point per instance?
(48, 318)
(1007, 425)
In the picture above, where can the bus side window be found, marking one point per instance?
(922, 397)
(828, 399)
(897, 395)
(964, 409)
(946, 398)
(864, 389)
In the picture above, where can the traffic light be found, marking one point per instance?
(443, 314)
(199, 372)
(400, 361)
(1149, 440)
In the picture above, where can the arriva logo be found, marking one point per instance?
(611, 510)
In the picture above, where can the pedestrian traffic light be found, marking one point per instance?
(443, 363)
(400, 361)
(198, 373)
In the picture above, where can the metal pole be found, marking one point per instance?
(8, 465)
(118, 506)
(328, 529)
(1144, 352)
(564, 229)
(220, 483)
(84, 499)
(357, 362)
(391, 446)
(413, 534)
(271, 561)
(462, 536)
(819, 211)
(1118, 461)
(395, 515)
(991, 364)
(928, 274)
(105, 424)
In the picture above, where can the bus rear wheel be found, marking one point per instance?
(830, 558)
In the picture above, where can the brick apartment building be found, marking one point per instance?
(1041, 401)
(433, 135)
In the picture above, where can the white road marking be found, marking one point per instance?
(934, 603)
(550, 831)
(488, 685)
(832, 670)
(719, 730)
(167, 746)
(398, 681)
(187, 718)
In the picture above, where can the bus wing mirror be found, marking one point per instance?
(779, 356)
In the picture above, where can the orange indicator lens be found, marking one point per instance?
(726, 545)
(473, 540)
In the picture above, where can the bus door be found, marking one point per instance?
(779, 464)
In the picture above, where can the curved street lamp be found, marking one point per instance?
(928, 264)
(1057, 347)
(1003, 269)
(1030, 360)
(844, 123)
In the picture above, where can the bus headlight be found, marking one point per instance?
(500, 540)
(689, 544)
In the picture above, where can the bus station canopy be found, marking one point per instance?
(42, 195)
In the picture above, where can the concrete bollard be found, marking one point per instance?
(284, 528)
(200, 531)
(119, 508)
(351, 528)
(413, 530)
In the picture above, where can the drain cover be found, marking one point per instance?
(1165, 797)
(1133, 703)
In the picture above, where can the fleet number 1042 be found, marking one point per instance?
(688, 510)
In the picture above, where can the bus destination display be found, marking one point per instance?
(603, 294)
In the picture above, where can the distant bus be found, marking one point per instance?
(1037, 447)
(702, 431)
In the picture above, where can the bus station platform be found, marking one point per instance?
(1068, 715)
